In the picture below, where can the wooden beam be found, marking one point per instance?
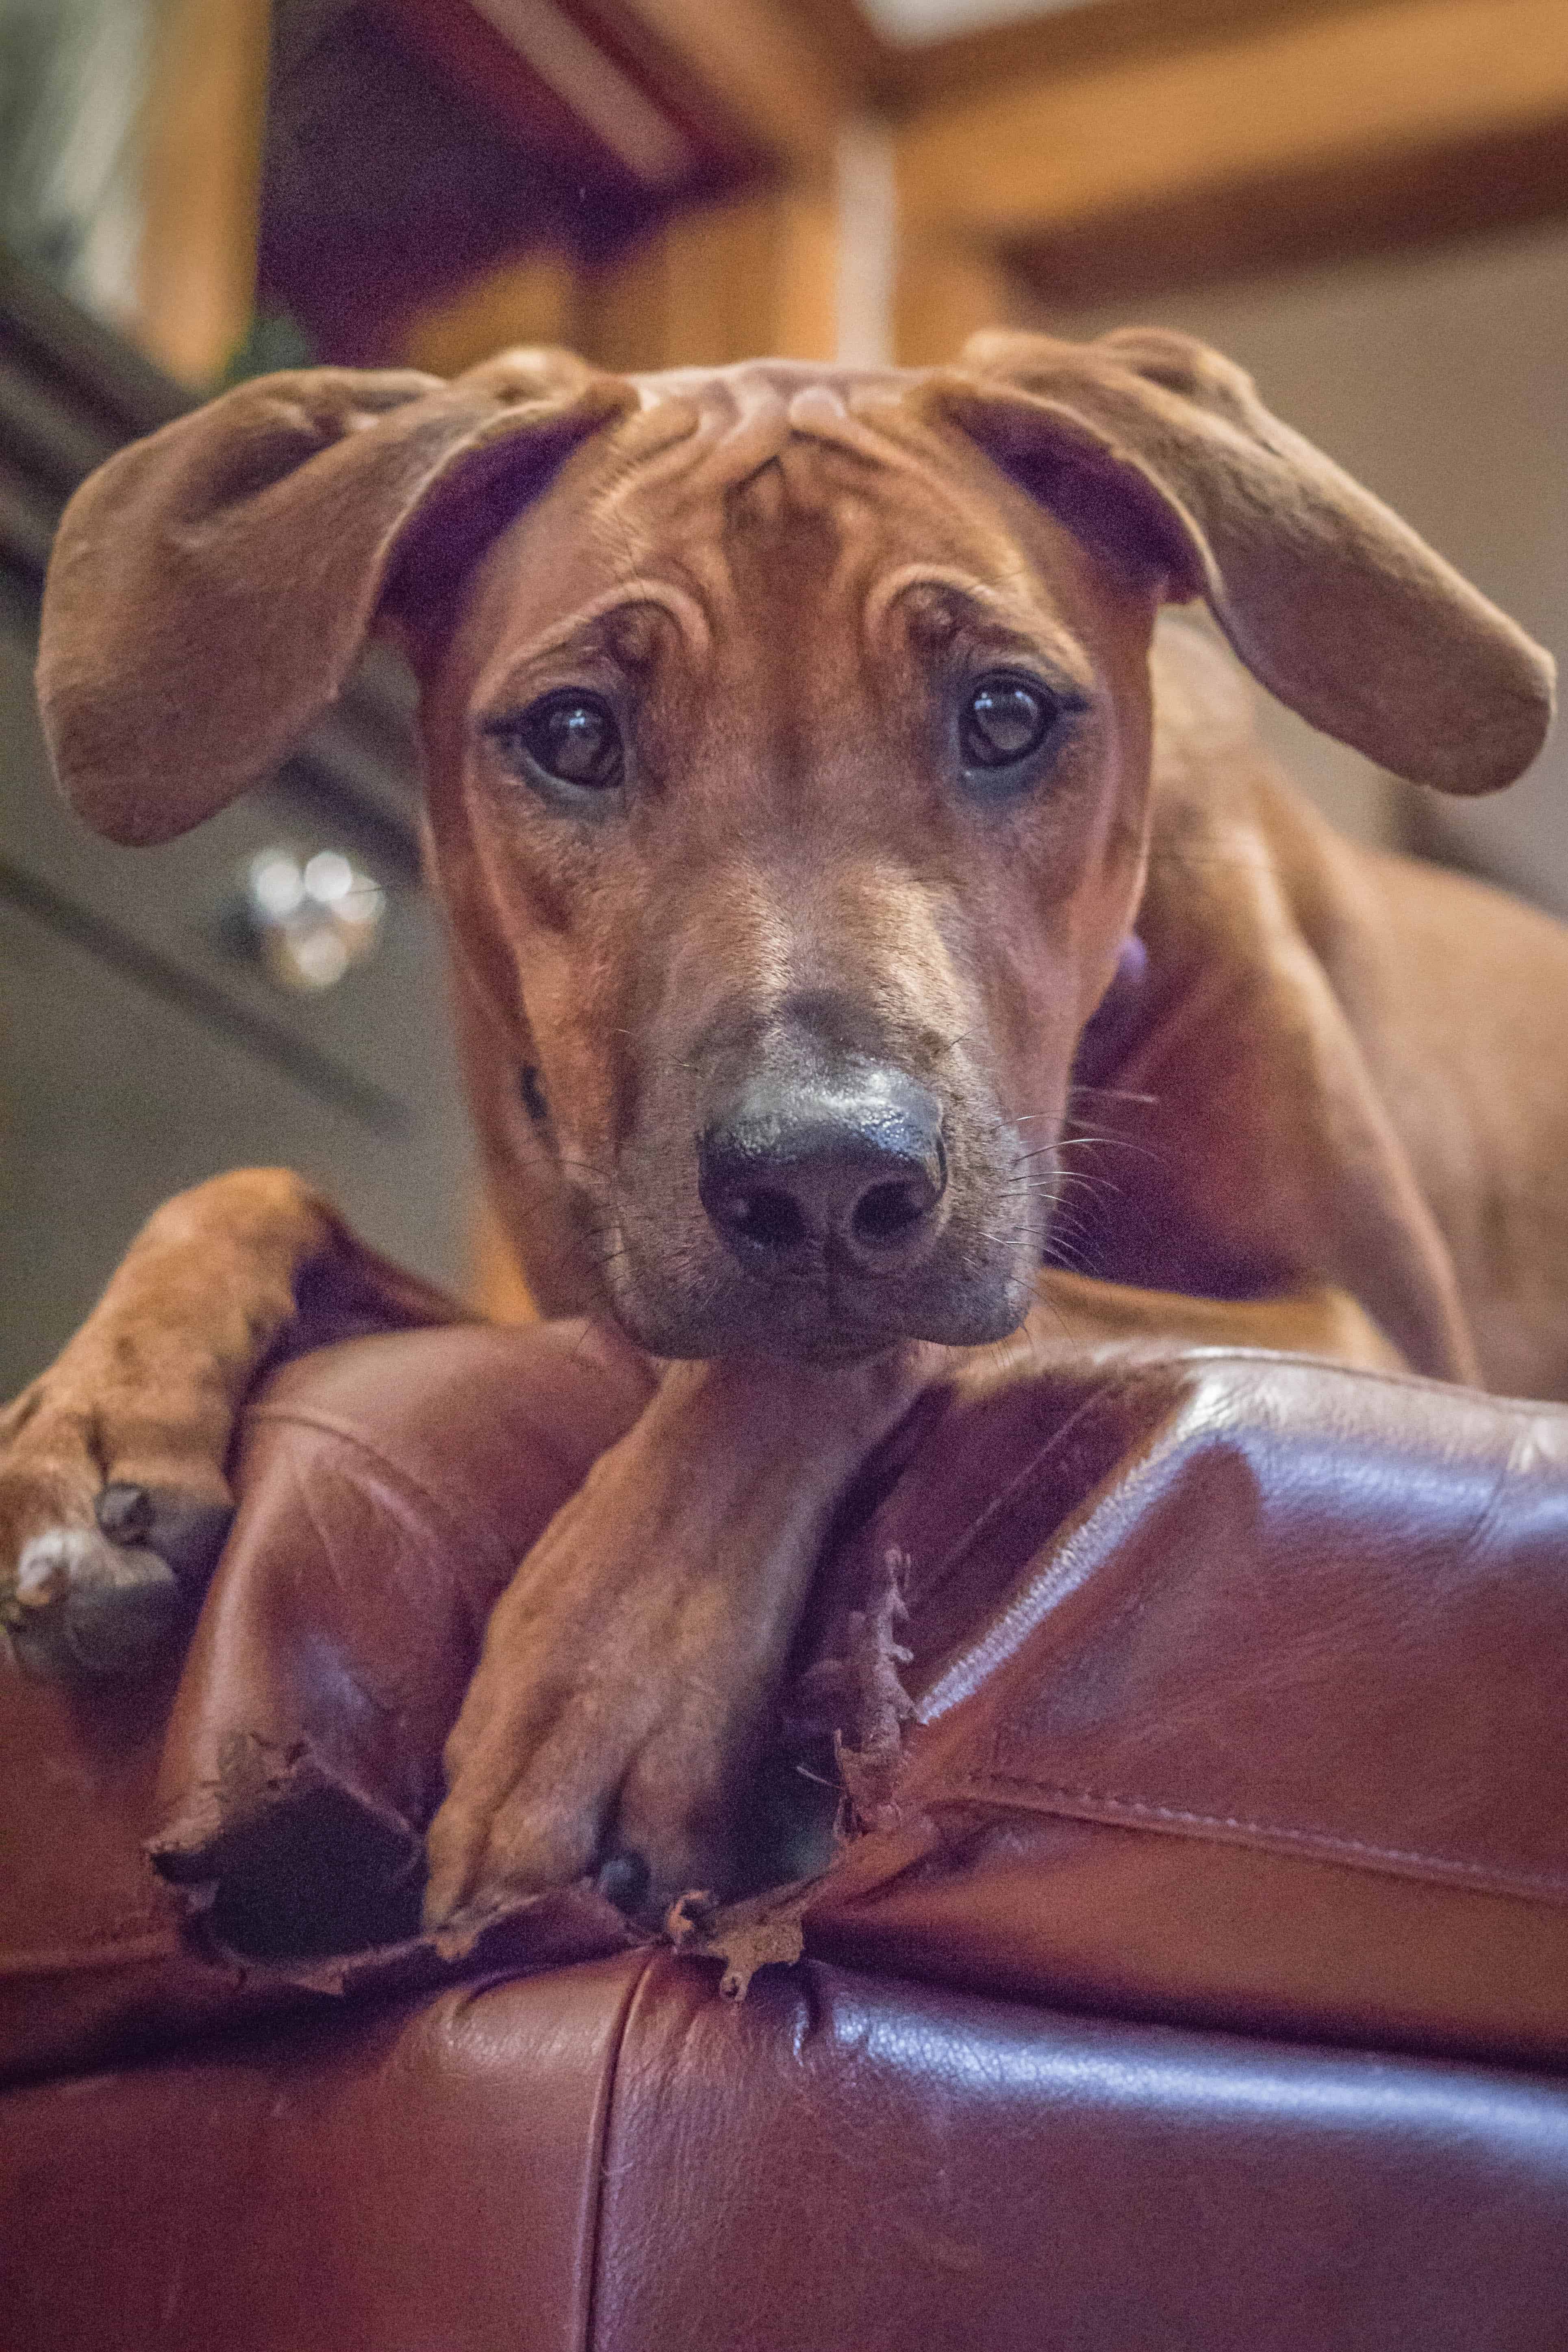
(534, 299)
(720, 283)
(1315, 94)
(563, 88)
(946, 290)
(866, 65)
(764, 66)
(901, 79)
(1343, 214)
(201, 185)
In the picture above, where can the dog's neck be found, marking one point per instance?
(1111, 1028)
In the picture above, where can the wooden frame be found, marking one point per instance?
(1269, 141)
(1109, 150)
(201, 185)
(675, 185)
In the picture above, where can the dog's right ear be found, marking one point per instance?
(211, 587)
(1161, 452)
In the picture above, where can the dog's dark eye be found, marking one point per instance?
(572, 737)
(1004, 720)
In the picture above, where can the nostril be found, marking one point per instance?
(805, 1172)
(765, 1216)
(886, 1214)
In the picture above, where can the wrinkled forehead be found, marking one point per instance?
(832, 482)
(730, 466)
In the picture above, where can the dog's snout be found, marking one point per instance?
(794, 1172)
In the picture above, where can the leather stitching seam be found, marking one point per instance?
(1407, 1859)
(594, 2233)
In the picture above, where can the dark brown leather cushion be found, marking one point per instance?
(384, 1495)
(611, 2157)
(387, 1494)
(1239, 1688)
(1258, 1718)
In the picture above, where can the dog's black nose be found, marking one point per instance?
(793, 1171)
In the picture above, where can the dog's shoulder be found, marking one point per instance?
(1203, 701)
(1240, 858)
(1212, 775)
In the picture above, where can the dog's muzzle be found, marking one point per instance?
(804, 1174)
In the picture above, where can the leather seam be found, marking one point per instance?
(595, 2232)
(83, 1959)
(1407, 1861)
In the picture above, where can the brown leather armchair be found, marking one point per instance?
(1195, 1971)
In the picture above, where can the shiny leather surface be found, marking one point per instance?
(397, 2180)
(1241, 1692)
(1239, 1703)
(1240, 1686)
(612, 2158)
(361, 1494)
(386, 1500)
(877, 2169)
(1239, 1677)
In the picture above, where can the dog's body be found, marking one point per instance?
(840, 928)
(1327, 1030)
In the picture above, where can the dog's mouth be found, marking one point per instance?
(802, 1319)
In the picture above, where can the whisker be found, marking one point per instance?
(1110, 1093)
(1122, 1143)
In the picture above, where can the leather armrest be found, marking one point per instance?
(384, 1495)
(1238, 1687)
(1241, 1700)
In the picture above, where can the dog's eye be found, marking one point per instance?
(1005, 720)
(572, 737)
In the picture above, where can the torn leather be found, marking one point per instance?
(1236, 1684)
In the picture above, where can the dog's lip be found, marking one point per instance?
(814, 1313)
(795, 1320)
(834, 1345)
(845, 1294)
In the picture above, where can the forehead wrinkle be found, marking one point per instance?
(663, 505)
(738, 420)
(592, 619)
(972, 556)
(733, 423)
(639, 520)
(986, 607)
(664, 488)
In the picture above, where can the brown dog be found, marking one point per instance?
(797, 792)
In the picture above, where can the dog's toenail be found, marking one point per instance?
(124, 1512)
(623, 1880)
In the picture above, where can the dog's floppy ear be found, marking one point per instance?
(211, 587)
(1162, 450)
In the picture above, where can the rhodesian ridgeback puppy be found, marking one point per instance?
(833, 876)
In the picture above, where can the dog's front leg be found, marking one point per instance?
(624, 1692)
(113, 1498)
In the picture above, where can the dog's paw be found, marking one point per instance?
(82, 1605)
(627, 1692)
(612, 1731)
(98, 1574)
(625, 1764)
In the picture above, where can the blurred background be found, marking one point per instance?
(1364, 201)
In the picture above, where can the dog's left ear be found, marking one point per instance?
(211, 587)
(1160, 451)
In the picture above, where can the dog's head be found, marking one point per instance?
(788, 736)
